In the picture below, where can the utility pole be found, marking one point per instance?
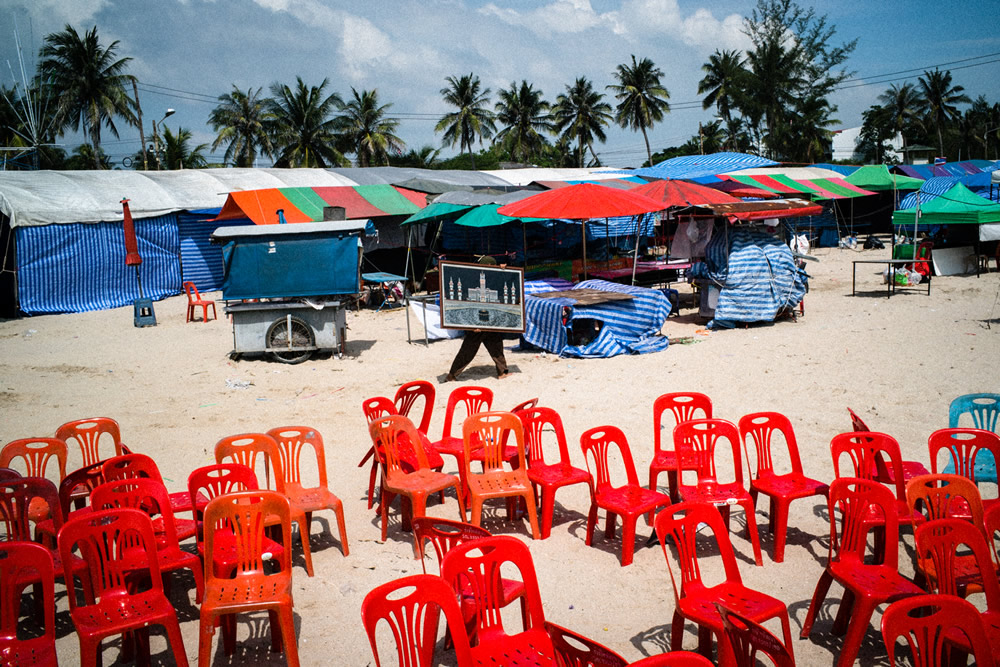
(701, 140)
(142, 136)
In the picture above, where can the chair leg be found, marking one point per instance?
(477, 510)
(287, 623)
(860, 620)
(277, 631)
(609, 526)
(306, 549)
(786, 631)
(844, 613)
(653, 475)
(628, 539)
(676, 632)
(338, 510)
(529, 499)
(371, 481)
(752, 529)
(673, 486)
(591, 524)
(205, 632)
(548, 508)
(461, 502)
(173, 628)
(822, 587)
(779, 511)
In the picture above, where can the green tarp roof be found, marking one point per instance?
(877, 177)
(436, 211)
(957, 206)
(487, 216)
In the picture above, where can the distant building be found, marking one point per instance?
(845, 145)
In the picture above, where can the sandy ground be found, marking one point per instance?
(898, 362)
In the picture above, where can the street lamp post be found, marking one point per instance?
(986, 140)
(156, 140)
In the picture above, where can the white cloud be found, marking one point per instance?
(664, 18)
(560, 16)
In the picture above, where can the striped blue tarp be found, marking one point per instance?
(78, 267)
(756, 274)
(201, 261)
(697, 166)
(938, 185)
(628, 327)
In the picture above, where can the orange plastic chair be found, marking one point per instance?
(89, 434)
(575, 650)
(239, 517)
(247, 448)
(409, 395)
(292, 442)
(119, 607)
(629, 501)
(885, 473)
(746, 639)
(470, 400)
(20, 562)
(475, 566)
(36, 455)
(150, 496)
(387, 435)
(966, 447)
(547, 478)
(697, 442)
(490, 431)
(411, 608)
(865, 585)
(761, 427)
(684, 406)
(140, 466)
(195, 301)
(375, 408)
(929, 625)
(694, 600)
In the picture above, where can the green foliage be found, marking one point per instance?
(580, 114)
(364, 129)
(472, 120)
(941, 98)
(83, 157)
(243, 121)
(426, 157)
(303, 129)
(524, 116)
(642, 99)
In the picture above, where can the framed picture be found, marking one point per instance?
(482, 296)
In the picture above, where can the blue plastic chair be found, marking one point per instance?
(984, 409)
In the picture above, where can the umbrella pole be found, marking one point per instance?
(138, 278)
(430, 252)
(524, 242)
(583, 230)
(409, 249)
(635, 255)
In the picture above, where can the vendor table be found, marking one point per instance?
(891, 263)
(383, 280)
(646, 273)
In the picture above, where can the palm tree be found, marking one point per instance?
(88, 82)
(426, 157)
(809, 128)
(776, 81)
(642, 100)
(524, 116)
(242, 120)
(941, 98)
(84, 157)
(581, 114)
(723, 84)
(177, 151)
(303, 126)
(472, 119)
(365, 131)
(902, 104)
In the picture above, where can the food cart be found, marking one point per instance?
(287, 286)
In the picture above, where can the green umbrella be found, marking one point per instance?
(434, 212)
(487, 216)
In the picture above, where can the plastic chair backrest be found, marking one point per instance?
(411, 607)
(928, 623)
(292, 441)
(476, 567)
(942, 540)
(575, 650)
(747, 639)
(674, 659)
(524, 405)
(15, 498)
(220, 479)
(131, 466)
(390, 435)
(700, 438)
(36, 453)
(536, 421)
(760, 427)
(147, 495)
(992, 521)
(684, 406)
(444, 535)
(942, 496)
(680, 522)
(406, 400)
(7, 474)
(20, 561)
(490, 430)
(983, 408)
(963, 445)
(242, 514)
(106, 540)
(473, 399)
(245, 448)
(86, 478)
(596, 444)
(192, 292)
(87, 433)
(856, 498)
(864, 450)
(378, 406)
(857, 423)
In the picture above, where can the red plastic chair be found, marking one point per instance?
(375, 408)
(927, 622)
(89, 434)
(21, 562)
(782, 489)
(964, 446)
(36, 454)
(694, 600)
(674, 659)
(489, 432)
(150, 496)
(697, 442)
(388, 433)
(195, 301)
(629, 501)
(120, 608)
(7, 474)
(140, 466)
(883, 472)
(547, 478)
(684, 406)
(575, 650)
(865, 585)
(992, 520)
(292, 442)
(411, 607)
(239, 518)
(74, 491)
(409, 395)
(476, 566)
(747, 638)
(470, 400)
(525, 405)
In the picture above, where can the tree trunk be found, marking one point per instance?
(649, 153)
(580, 153)
(95, 138)
(940, 140)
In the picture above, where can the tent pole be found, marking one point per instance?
(409, 250)
(635, 255)
(430, 252)
(524, 243)
(583, 230)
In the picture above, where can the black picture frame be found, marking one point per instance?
(482, 296)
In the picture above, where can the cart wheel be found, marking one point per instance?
(301, 335)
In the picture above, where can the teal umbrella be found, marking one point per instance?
(487, 216)
(434, 212)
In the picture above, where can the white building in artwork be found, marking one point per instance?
(482, 294)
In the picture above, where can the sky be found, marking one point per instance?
(186, 53)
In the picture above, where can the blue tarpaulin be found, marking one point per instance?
(201, 261)
(697, 166)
